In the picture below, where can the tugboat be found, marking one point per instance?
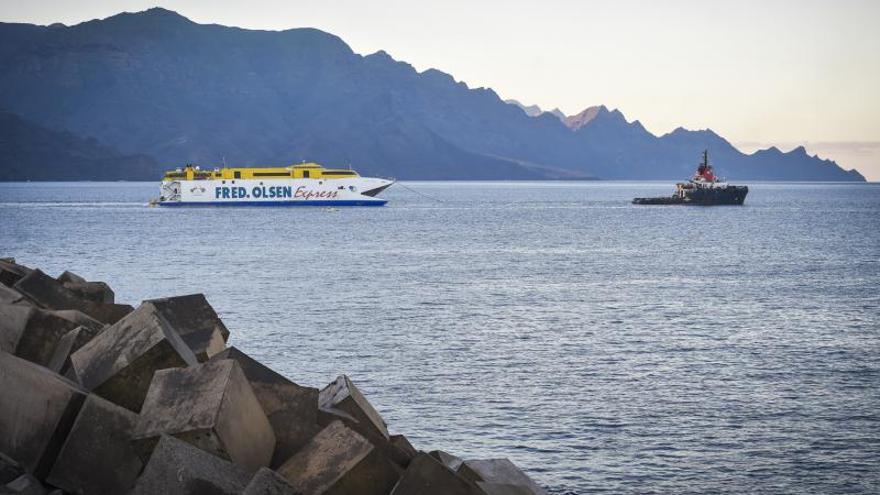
(704, 189)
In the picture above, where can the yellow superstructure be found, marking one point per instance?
(301, 171)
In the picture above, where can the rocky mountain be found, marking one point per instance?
(155, 83)
(530, 110)
(32, 152)
(575, 122)
(535, 110)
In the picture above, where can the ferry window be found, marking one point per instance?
(237, 175)
(305, 174)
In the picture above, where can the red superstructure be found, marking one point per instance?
(704, 171)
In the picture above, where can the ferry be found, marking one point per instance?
(704, 188)
(306, 184)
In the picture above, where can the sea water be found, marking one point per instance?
(602, 346)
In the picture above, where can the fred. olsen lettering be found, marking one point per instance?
(272, 192)
(230, 192)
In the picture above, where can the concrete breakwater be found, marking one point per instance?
(100, 397)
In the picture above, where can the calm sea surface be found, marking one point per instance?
(601, 346)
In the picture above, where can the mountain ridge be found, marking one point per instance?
(159, 84)
(28, 148)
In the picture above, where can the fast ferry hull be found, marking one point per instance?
(355, 191)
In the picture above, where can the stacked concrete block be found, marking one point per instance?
(428, 476)
(52, 294)
(292, 409)
(173, 411)
(80, 318)
(502, 489)
(11, 272)
(118, 364)
(98, 292)
(403, 445)
(9, 469)
(8, 295)
(37, 410)
(178, 468)
(195, 321)
(92, 291)
(69, 343)
(342, 395)
(338, 461)
(499, 471)
(268, 482)
(98, 455)
(31, 333)
(342, 401)
(450, 461)
(211, 406)
(68, 277)
(27, 484)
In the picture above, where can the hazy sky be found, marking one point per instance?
(760, 73)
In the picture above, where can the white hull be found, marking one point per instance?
(353, 191)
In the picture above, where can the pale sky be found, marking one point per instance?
(760, 73)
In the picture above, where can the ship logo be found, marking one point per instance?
(197, 191)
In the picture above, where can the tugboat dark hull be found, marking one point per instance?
(730, 195)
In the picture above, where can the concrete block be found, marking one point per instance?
(447, 459)
(25, 484)
(344, 396)
(9, 469)
(108, 313)
(118, 363)
(80, 318)
(178, 468)
(51, 294)
(67, 345)
(338, 460)
(196, 322)
(292, 409)
(11, 272)
(8, 295)
(502, 489)
(268, 482)
(402, 444)
(498, 471)
(36, 413)
(98, 456)
(427, 476)
(13, 321)
(212, 406)
(384, 445)
(70, 277)
(98, 292)
(31, 333)
(48, 292)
